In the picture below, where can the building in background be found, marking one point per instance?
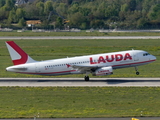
(20, 2)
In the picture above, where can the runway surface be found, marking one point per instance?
(79, 37)
(79, 82)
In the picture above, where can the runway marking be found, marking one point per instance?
(79, 82)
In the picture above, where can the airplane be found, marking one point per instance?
(97, 64)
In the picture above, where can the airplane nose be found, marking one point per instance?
(153, 58)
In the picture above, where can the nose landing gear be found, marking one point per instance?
(137, 73)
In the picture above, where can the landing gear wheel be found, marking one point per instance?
(86, 78)
(137, 73)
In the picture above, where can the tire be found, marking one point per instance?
(137, 73)
(86, 78)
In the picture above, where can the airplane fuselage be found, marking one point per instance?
(63, 66)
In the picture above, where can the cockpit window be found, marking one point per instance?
(145, 54)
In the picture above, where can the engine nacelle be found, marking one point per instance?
(103, 71)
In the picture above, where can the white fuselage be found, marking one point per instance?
(63, 66)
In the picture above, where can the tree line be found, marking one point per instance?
(83, 14)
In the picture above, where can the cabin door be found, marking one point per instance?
(37, 68)
(136, 57)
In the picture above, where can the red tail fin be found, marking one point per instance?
(18, 56)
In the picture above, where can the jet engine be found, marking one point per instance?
(103, 71)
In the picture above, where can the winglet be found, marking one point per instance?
(18, 56)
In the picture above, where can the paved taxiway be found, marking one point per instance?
(77, 82)
(79, 37)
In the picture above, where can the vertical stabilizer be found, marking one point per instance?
(18, 56)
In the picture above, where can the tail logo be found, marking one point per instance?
(23, 56)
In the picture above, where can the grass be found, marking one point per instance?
(52, 49)
(57, 102)
(96, 33)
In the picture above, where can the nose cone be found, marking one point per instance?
(153, 58)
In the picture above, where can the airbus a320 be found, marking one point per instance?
(97, 65)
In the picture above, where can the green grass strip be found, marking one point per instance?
(63, 102)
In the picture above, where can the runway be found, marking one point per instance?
(79, 82)
(78, 37)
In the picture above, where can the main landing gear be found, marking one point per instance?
(86, 78)
(137, 73)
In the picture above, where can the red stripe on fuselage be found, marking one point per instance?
(24, 56)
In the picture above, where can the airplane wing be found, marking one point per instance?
(83, 68)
